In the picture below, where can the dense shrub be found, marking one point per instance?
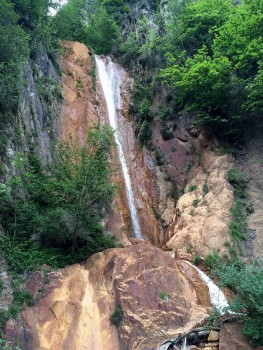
(117, 316)
(246, 281)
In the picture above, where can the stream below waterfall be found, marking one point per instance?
(110, 77)
(217, 297)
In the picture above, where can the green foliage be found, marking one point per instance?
(175, 192)
(196, 202)
(97, 29)
(48, 89)
(159, 156)
(102, 32)
(246, 281)
(205, 188)
(213, 317)
(114, 8)
(117, 316)
(13, 50)
(192, 188)
(21, 299)
(166, 133)
(163, 295)
(238, 225)
(145, 132)
(212, 260)
(6, 345)
(69, 21)
(197, 259)
(238, 181)
(62, 207)
(214, 62)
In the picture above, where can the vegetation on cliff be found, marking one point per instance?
(24, 27)
(203, 57)
(60, 209)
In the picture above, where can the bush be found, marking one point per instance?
(117, 316)
(175, 193)
(166, 133)
(192, 188)
(63, 207)
(212, 260)
(246, 281)
(238, 181)
(159, 156)
(163, 295)
(196, 202)
(205, 189)
(196, 259)
(145, 133)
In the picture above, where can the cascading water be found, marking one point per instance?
(110, 77)
(218, 300)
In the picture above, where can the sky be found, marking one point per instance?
(61, 2)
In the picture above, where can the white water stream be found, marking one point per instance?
(110, 76)
(217, 297)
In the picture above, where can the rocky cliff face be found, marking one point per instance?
(159, 296)
(80, 106)
(74, 310)
(37, 119)
(202, 214)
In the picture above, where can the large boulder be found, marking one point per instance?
(156, 299)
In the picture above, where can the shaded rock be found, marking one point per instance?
(34, 282)
(232, 338)
(213, 336)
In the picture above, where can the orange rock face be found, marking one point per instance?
(78, 112)
(203, 214)
(156, 299)
(83, 108)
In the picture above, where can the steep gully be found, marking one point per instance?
(160, 296)
(110, 77)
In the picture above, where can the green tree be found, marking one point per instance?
(70, 21)
(63, 207)
(13, 50)
(195, 22)
(81, 184)
(102, 32)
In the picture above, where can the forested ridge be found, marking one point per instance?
(203, 58)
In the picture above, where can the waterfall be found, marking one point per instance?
(218, 300)
(110, 77)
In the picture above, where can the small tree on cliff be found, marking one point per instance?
(64, 206)
(81, 190)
